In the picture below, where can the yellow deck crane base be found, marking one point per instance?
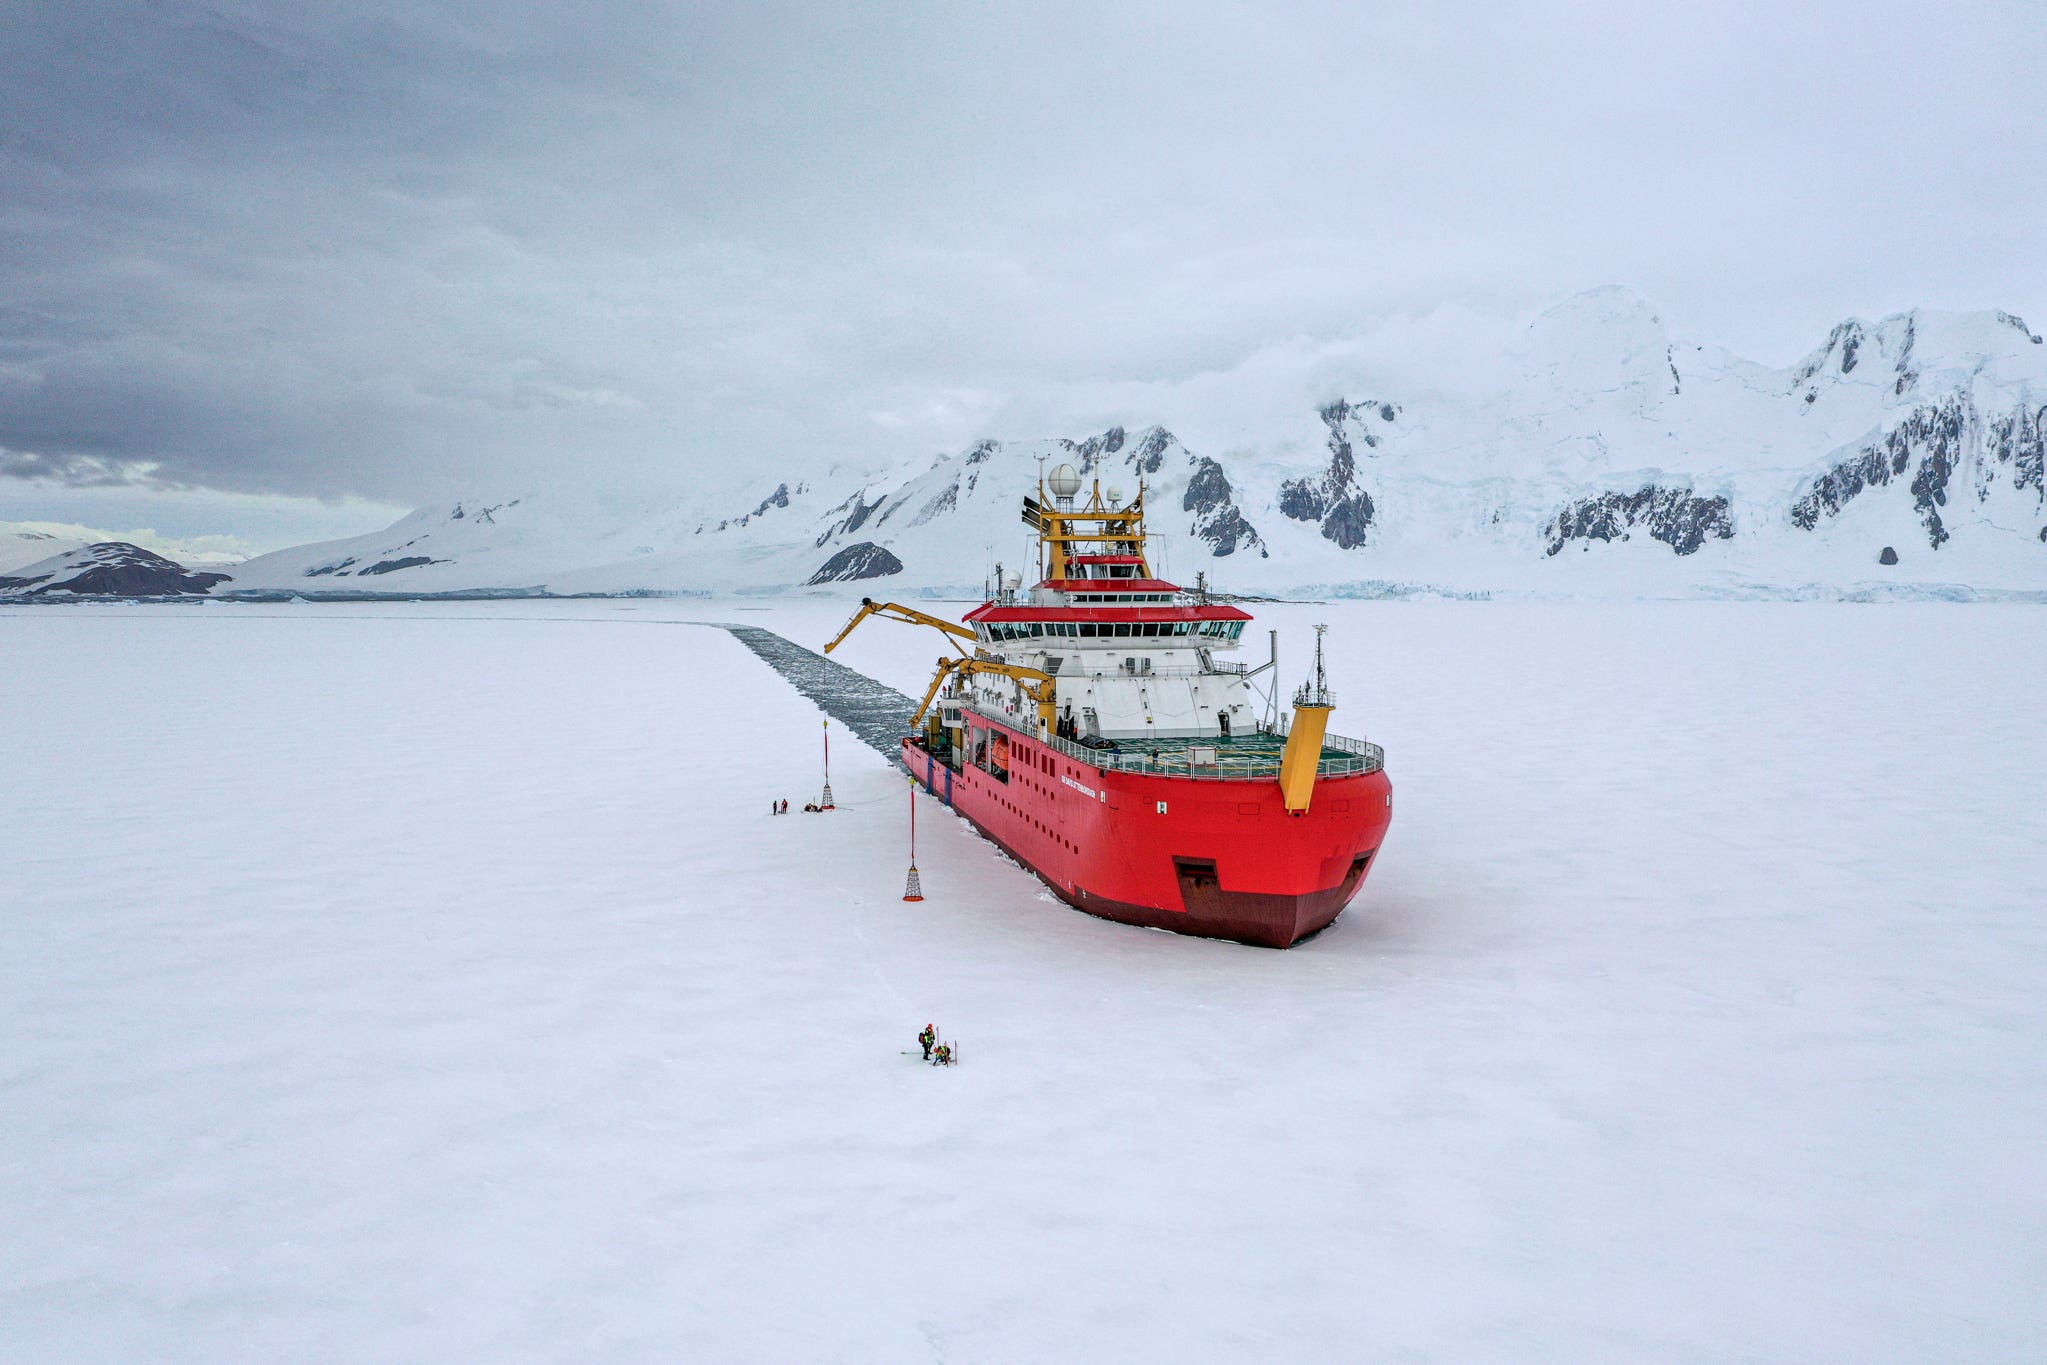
(1039, 686)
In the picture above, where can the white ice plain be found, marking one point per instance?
(431, 983)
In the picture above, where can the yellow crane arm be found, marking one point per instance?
(1041, 686)
(945, 670)
(870, 607)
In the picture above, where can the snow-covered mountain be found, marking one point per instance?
(21, 546)
(110, 568)
(1604, 453)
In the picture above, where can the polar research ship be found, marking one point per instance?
(1093, 727)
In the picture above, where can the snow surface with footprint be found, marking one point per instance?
(430, 982)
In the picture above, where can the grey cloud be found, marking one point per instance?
(393, 250)
(75, 471)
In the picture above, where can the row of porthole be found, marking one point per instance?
(1043, 829)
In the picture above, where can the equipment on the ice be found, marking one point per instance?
(826, 803)
(914, 890)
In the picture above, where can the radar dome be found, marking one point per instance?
(1064, 482)
(1115, 496)
(1012, 580)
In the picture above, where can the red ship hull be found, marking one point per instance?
(1214, 858)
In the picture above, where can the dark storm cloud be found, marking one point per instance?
(392, 249)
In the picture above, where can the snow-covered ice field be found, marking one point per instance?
(430, 983)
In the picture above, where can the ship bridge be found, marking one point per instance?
(1132, 655)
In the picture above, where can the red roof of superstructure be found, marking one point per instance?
(1107, 559)
(1109, 585)
(1130, 611)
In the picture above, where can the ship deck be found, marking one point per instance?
(1239, 757)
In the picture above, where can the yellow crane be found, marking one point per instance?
(1038, 685)
(897, 612)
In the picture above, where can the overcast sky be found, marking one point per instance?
(256, 256)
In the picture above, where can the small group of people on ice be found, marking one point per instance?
(782, 807)
(935, 1052)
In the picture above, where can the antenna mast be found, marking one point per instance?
(1316, 693)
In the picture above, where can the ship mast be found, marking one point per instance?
(1100, 527)
(1316, 691)
(1299, 763)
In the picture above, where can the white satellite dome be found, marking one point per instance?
(1064, 481)
(1115, 496)
(1012, 580)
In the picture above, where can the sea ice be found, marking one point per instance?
(431, 982)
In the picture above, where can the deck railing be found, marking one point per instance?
(1231, 765)
(1070, 666)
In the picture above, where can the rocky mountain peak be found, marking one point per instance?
(108, 568)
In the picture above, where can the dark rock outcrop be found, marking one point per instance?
(1934, 435)
(1144, 456)
(1676, 516)
(1844, 341)
(1929, 490)
(941, 502)
(393, 565)
(2019, 440)
(865, 560)
(1908, 374)
(1150, 453)
(778, 498)
(110, 568)
(1335, 498)
(1218, 520)
(1844, 351)
(855, 518)
(1090, 452)
(1834, 489)
(1888, 557)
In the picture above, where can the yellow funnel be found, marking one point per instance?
(1303, 755)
